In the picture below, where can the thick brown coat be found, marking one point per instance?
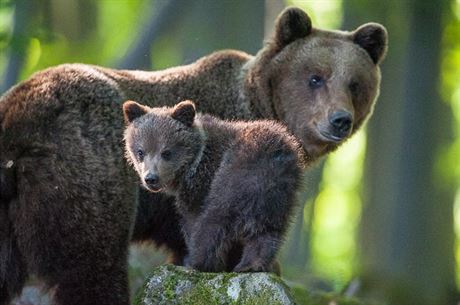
(67, 201)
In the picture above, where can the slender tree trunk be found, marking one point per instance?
(20, 39)
(407, 223)
(75, 19)
(216, 25)
(163, 14)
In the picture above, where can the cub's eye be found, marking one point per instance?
(354, 86)
(140, 154)
(166, 154)
(316, 82)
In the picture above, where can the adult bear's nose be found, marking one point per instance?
(341, 122)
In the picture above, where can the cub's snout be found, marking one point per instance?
(152, 181)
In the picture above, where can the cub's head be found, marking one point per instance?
(161, 143)
(322, 84)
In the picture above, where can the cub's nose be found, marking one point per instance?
(341, 121)
(151, 179)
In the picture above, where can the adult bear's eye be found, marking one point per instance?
(354, 86)
(166, 155)
(140, 154)
(316, 82)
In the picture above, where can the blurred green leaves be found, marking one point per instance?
(337, 213)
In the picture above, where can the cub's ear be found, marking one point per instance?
(373, 38)
(291, 24)
(184, 112)
(133, 110)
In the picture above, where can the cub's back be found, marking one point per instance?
(258, 177)
(267, 141)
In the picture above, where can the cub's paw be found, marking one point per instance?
(186, 261)
(273, 267)
(199, 265)
(250, 268)
(176, 259)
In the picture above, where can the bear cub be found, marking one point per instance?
(235, 183)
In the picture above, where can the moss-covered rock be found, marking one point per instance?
(178, 285)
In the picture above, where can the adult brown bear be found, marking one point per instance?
(67, 198)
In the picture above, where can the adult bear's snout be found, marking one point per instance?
(341, 122)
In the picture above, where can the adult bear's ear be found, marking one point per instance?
(373, 38)
(291, 24)
(184, 112)
(133, 110)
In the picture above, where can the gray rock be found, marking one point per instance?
(178, 285)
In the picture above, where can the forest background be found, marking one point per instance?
(383, 212)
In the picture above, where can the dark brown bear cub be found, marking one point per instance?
(235, 182)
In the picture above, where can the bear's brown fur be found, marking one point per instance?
(67, 200)
(234, 182)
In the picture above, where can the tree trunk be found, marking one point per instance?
(20, 40)
(138, 56)
(407, 224)
(214, 25)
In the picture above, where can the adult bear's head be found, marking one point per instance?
(322, 84)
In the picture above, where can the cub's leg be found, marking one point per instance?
(259, 254)
(158, 220)
(210, 243)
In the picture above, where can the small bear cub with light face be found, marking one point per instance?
(235, 183)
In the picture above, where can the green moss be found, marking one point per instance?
(301, 296)
(263, 298)
(177, 285)
(169, 288)
(138, 299)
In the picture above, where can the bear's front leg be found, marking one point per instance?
(209, 246)
(157, 219)
(259, 254)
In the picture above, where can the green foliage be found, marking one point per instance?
(337, 213)
(447, 168)
(111, 30)
(6, 28)
(324, 14)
